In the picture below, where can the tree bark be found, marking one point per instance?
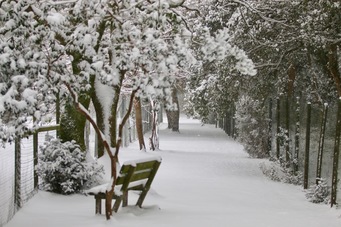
(336, 156)
(333, 66)
(154, 137)
(72, 123)
(174, 115)
(321, 144)
(99, 121)
(307, 149)
(139, 124)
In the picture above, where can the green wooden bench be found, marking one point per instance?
(134, 175)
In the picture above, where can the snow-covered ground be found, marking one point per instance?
(205, 179)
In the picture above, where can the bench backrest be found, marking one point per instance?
(137, 171)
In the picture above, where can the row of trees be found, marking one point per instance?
(295, 46)
(84, 51)
(296, 49)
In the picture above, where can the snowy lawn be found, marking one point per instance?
(205, 179)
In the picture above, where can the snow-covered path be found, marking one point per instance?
(205, 179)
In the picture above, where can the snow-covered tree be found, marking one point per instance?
(217, 81)
(96, 50)
(294, 45)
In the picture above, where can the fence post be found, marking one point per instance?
(336, 156)
(35, 158)
(270, 127)
(307, 148)
(321, 144)
(278, 127)
(287, 126)
(17, 173)
(57, 112)
(297, 135)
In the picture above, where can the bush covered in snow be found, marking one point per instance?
(277, 171)
(63, 168)
(319, 193)
(252, 126)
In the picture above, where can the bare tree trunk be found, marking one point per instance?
(99, 119)
(336, 156)
(333, 66)
(307, 149)
(139, 124)
(297, 135)
(321, 144)
(72, 123)
(154, 138)
(278, 126)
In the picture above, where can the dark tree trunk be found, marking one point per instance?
(72, 123)
(307, 149)
(278, 126)
(333, 67)
(336, 156)
(297, 135)
(174, 116)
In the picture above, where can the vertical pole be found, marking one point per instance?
(35, 159)
(17, 172)
(270, 127)
(321, 144)
(57, 112)
(287, 125)
(278, 126)
(336, 156)
(307, 147)
(233, 122)
(297, 135)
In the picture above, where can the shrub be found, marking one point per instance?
(63, 169)
(277, 171)
(252, 126)
(318, 193)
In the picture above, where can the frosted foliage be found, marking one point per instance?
(63, 168)
(251, 126)
(218, 48)
(127, 45)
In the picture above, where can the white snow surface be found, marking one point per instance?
(205, 179)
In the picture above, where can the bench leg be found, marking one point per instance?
(125, 199)
(98, 205)
(117, 204)
(141, 198)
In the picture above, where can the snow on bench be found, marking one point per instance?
(134, 175)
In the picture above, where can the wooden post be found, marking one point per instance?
(287, 126)
(307, 148)
(17, 173)
(278, 124)
(297, 135)
(57, 112)
(270, 126)
(35, 159)
(336, 156)
(321, 144)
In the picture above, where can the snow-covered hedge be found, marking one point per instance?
(319, 193)
(63, 168)
(252, 126)
(277, 171)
